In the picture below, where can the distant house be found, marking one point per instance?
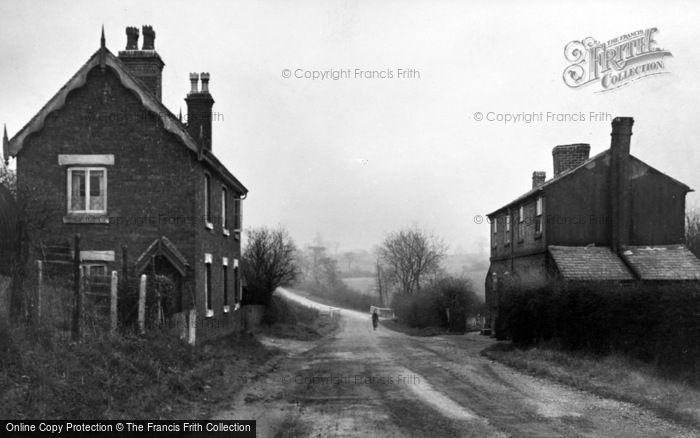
(104, 158)
(611, 217)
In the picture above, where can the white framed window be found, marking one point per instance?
(207, 201)
(224, 267)
(538, 215)
(87, 190)
(224, 206)
(237, 215)
(237, 287)
(207, 286)
(94, 269)
(507, 237)
(521, 223)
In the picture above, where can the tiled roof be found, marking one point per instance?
(667, 262)
(589, 263)
(572, 171)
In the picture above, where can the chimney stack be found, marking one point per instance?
(149, 38)
(538, 178)
(619, 181)
(568, 156)
(132, 38)
(144, 64)
(199, 104)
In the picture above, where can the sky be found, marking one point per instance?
(355, 158)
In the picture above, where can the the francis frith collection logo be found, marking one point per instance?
(614, 63)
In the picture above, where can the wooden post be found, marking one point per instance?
(142, 304)
(77, 286)
(113, 303)
(39, 288)
(192, 325)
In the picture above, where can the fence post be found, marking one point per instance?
(39, 288)
(113, 303)
(192, 325)
(142, 304)
(77, 286)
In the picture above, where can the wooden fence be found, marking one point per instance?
(71, 298)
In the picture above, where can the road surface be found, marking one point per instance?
(362, 383)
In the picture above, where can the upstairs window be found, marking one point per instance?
(538, 216)
(237, 219)
(224, 206)
(87, 190)
(494, 231)
(207, 201)
(521, 223)
(507, 239)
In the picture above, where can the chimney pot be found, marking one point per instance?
(568, 156)
(194, 79)
(132, 38)
(538, 178)
(149, 37)
(205, 82)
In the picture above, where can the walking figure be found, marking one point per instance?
(375, 319)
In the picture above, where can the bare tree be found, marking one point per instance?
(269, 261)
(411, 255)
(349, 258)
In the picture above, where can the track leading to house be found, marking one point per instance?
(362, 382)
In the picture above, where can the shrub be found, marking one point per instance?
(655, 323)
(429, 307)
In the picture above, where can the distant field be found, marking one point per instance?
(363, 285)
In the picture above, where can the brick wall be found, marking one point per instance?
(154, 188)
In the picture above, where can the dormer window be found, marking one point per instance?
(87, 190)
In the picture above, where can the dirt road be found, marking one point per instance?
(383, 383)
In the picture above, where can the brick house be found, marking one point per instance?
(104, 158)
(610, 217)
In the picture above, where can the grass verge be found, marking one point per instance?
(612, 376)
(152, 377)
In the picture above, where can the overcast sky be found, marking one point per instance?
(353, 159)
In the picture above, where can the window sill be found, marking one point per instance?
(209, 313)
(86, 218)
(237, 306)
(208, 225)
(226, 232)
(227, 309)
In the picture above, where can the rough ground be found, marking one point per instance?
(366, 383)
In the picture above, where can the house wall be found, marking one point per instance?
(658, 209)
(578, 207)
(154, 188)
(213, 241)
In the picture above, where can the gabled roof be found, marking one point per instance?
(662, 262)
(104, 58)
(589, 263)
(163, 247)
(573, 170)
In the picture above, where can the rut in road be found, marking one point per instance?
(366, 383)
